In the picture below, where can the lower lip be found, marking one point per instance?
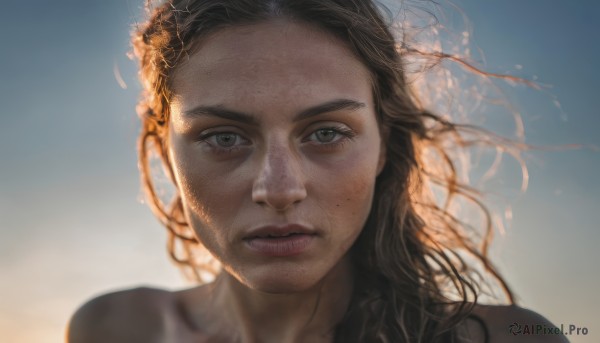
(281, 246)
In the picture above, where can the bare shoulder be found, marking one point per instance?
(133, 315)
(511, 323)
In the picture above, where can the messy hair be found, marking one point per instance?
(419, 265)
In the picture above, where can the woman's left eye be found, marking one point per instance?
(330, 135)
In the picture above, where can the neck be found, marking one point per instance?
(307, 316)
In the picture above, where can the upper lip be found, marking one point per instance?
(278, 231)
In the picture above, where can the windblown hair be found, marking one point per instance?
(415, 259)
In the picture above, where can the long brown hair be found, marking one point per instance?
(412, 255)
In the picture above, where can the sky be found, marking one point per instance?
(72, 223)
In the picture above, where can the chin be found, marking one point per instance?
(278, 280)
(282, 287)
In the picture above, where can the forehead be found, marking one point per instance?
(276, 58)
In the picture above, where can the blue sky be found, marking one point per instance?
(72, 225)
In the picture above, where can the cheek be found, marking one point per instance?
(348, 191)
(210, 208)
(192, 182)
(206, 194)
(351, 189)
(194, 186)
(202, 187)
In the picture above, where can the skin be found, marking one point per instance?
(279, 171)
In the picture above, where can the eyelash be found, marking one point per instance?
(347, 134)
(215, 147)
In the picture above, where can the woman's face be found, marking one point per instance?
(273, 124)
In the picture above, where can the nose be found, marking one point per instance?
(280, 181)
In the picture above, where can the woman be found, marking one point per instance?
(298, 153)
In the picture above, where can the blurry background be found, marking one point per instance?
(72, 225)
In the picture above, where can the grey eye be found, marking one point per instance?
(325, 135)
(225, 139)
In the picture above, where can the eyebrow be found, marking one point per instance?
(248, 118)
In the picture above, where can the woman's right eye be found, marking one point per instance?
(224, 141)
